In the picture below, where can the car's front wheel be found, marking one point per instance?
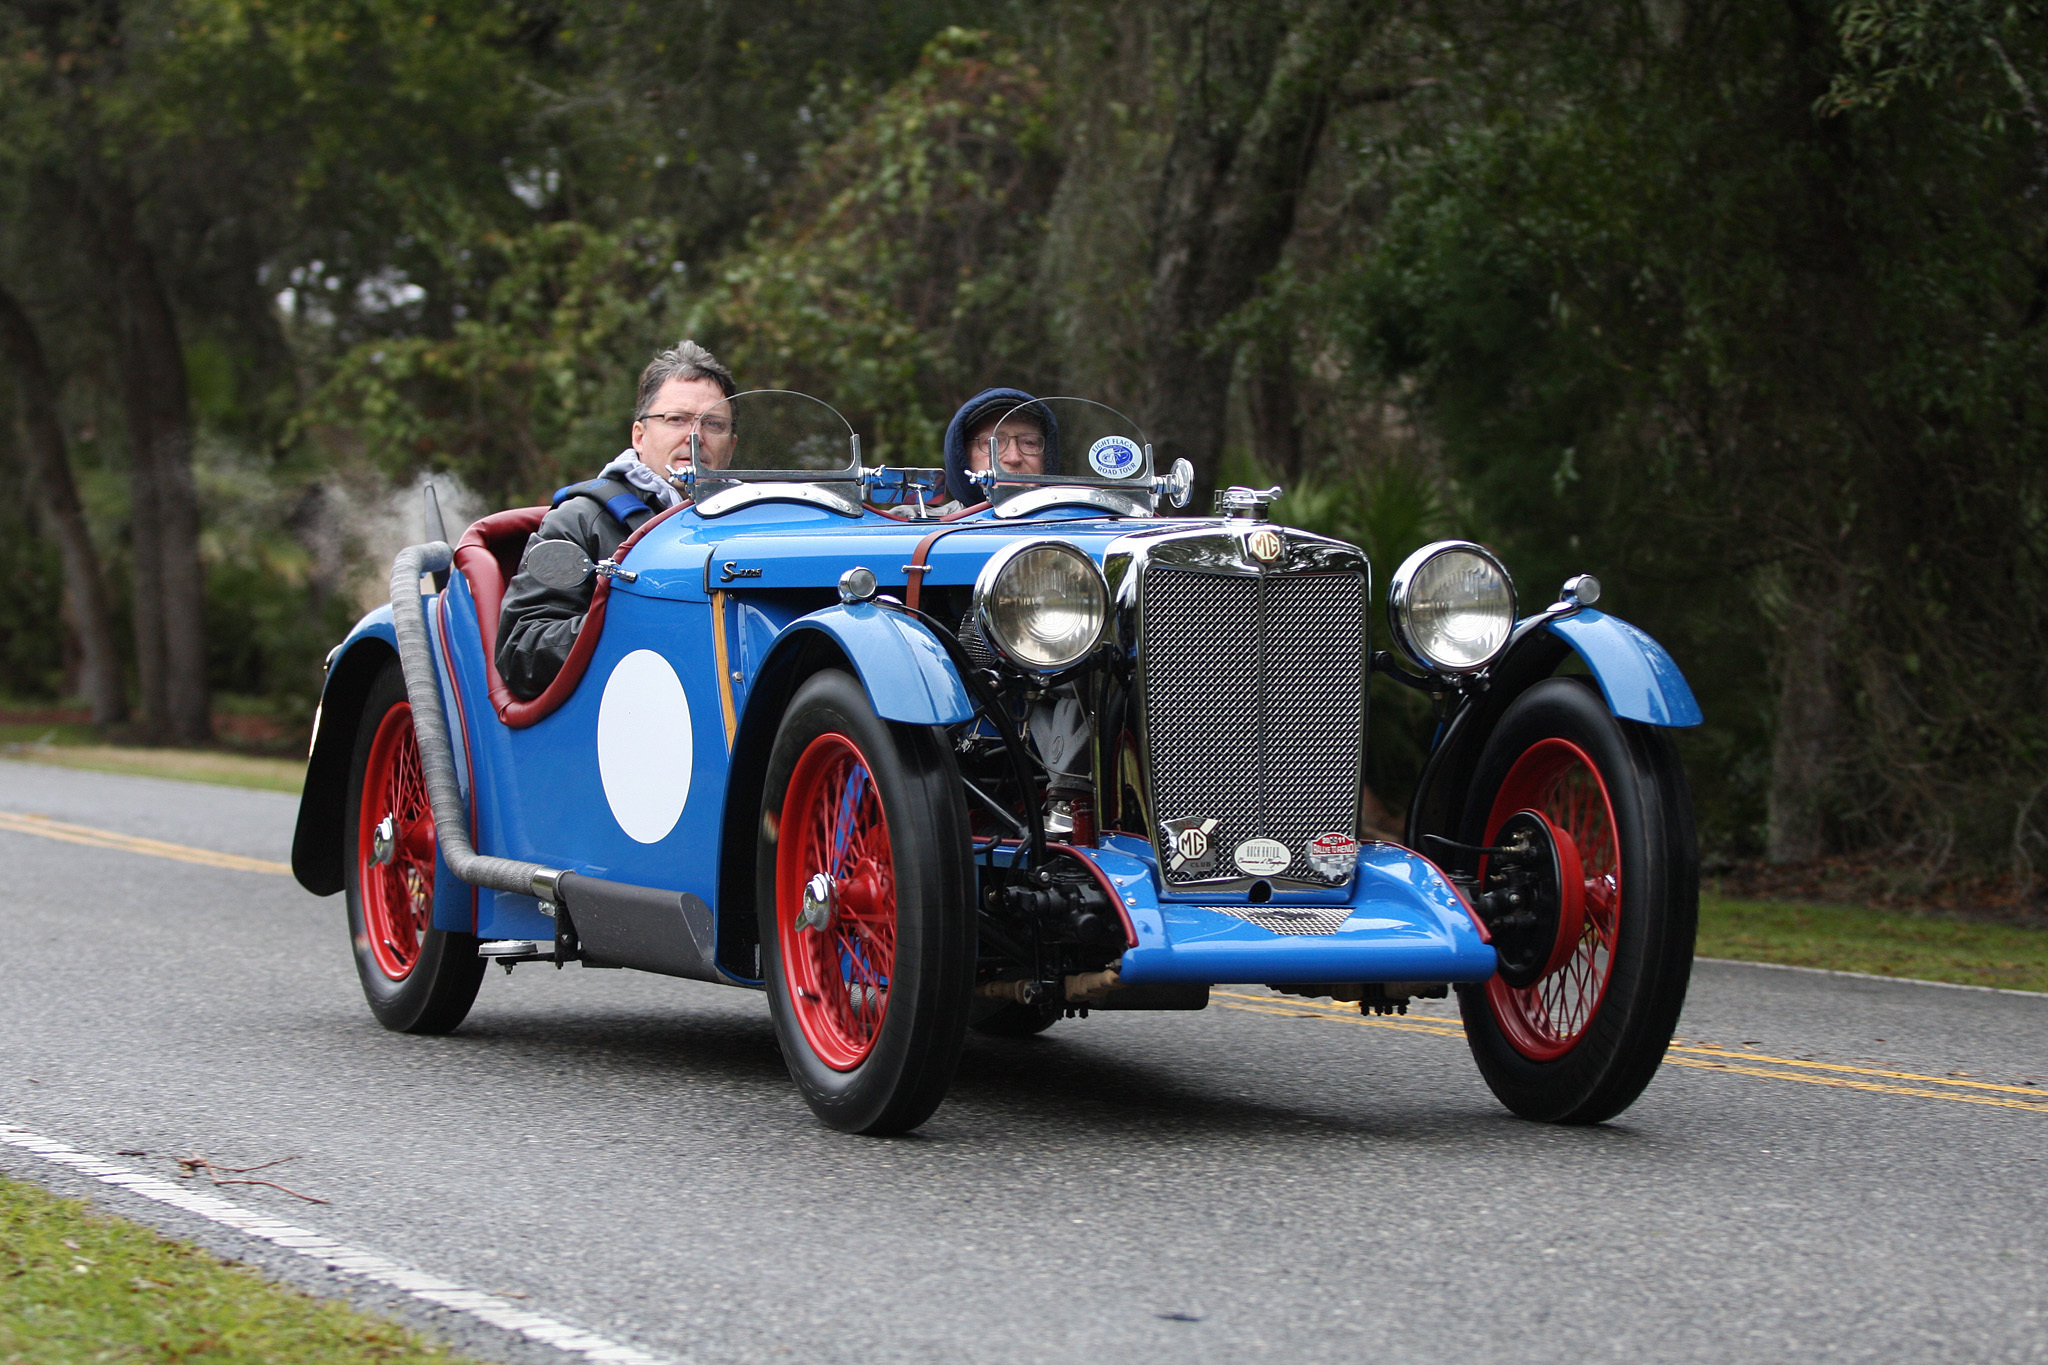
(1574, 1026)
(866, 908)
(418, 979)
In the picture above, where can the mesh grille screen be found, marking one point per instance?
(1254, 707)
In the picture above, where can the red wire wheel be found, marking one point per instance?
(395, 846)
(839, 971)
(416, 978)
(1556, 779)
(1572, 1030)
(864, 897)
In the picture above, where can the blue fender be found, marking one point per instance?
(900, 662)
(1637, 676)
(351, 668)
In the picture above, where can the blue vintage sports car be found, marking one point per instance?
(913, 773)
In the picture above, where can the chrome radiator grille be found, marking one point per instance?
(1254, 702)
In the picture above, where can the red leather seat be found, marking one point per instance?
(488, 555)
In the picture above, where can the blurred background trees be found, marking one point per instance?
(1738, 304)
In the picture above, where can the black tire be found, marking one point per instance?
(1582, 1042)
(1012, 1020)
(424, 984)
(864, 1066)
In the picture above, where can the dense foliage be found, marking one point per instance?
(1738, 304)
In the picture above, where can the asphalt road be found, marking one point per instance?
(1265, 1180)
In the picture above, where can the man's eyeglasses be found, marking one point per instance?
(706, 423)
(1027, 444)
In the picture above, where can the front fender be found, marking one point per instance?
(905, 671)
(354, 665)
(1637, 675)
(900, 662)
(1638, 679)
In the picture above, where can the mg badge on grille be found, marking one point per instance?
(1262, 857)
(1266, 544)
(1187, 844)
(1333, 855)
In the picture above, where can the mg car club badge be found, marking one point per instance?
(1187, 844)
(1333, 855)
(1265, 544)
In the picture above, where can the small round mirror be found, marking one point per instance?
(558, 564)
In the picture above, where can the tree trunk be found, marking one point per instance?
(1806, 742)
(170, 584)
(1228, 188)
(63, 516)
(1275, 413)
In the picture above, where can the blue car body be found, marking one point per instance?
(719, 601)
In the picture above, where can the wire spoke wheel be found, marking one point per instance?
(395, 845)
(417, 979)
(1579, 1042)
(1555, 778)
(838, 972)
(865, 896)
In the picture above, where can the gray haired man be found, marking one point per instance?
(682, 391)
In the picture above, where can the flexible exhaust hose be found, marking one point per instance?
(430, 722)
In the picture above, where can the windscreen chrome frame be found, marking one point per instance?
(717, 492)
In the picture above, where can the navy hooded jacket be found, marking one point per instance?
(992, 403)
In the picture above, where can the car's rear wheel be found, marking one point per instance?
(418, 979)
(866, 908)
(1573, 1028)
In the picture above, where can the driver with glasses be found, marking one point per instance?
(682, 393)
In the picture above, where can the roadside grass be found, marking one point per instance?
(1852, 938)
(74, 746)
(78, 1285)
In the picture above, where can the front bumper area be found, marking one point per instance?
(1402, 922)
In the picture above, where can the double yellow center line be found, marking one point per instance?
(1873, 1080)
(45, 827)
(1700, 1056)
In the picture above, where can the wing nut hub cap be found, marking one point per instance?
(820, 899)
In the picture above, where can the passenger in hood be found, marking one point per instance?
(1025, 434)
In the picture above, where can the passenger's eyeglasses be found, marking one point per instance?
(1026, 445)
(707, 423)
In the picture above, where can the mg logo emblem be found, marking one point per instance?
(1187, 844)
(1266, 544)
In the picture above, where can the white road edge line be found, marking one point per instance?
(1870, 976)
(426, 1288)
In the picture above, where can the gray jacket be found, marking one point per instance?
(538, 626)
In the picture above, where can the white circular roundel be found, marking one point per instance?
(644, 746)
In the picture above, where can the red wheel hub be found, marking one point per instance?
(1555, 779)
(839, 950)
(395, 846)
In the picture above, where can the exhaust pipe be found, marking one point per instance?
(437, 753)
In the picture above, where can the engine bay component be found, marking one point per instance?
(1011, 992)
(1084, 988)
(1371, 997)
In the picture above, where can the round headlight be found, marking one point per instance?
(1041, 604)
(1451, 605)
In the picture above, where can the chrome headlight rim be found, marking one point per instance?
(1400, 602)
(984, 587)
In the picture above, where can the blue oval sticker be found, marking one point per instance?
(1115, 457)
